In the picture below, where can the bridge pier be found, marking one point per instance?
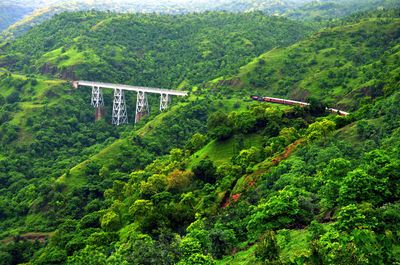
(164, 100)
(142, 106)
(119, 114)
(97, 97)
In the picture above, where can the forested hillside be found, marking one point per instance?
(151, 50)
(339, 66)
(45, 11)
(300, 10)
(216, 178)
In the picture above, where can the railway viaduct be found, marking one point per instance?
(119, 113)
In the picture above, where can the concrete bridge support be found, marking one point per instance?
(119, 114)
(142, 106)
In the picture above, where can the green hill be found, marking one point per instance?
(190, 48)
(10, 14)
(339, 65)
(216, 178)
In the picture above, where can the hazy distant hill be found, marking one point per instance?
(9, 14)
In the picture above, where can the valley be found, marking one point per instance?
(221, 174)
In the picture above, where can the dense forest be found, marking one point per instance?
(163, 51)
(216, 178)
(306, 10)
(340, 65)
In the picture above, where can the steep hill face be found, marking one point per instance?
(150, 50)
(339, 65)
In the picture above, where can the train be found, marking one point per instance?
(293, 102)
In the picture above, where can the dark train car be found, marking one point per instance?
(255, 97)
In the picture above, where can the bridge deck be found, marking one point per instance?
(133, 88)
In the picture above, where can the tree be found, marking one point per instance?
(249, 156)
(198, 259)
(190, 246)
(222, 241)
(205, 171)
(354, 216)
(2, 100)
(316, 107)
(279, 211)
(244, 122)
(273, 115)
(13, 97)
(290, 134)
(219, 126)
(332, 178)
(111, 219)
(268, 250)
(196, 142)
(320, 129)
(154, 184)
(89, 255)
(177, 180)
(358, 186)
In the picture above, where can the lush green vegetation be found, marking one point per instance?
(343, 65)
(151, 50)
(216, 178)
(295, 9)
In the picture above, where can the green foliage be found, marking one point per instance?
(222, 241)
(320, 129)
(360, 216)
(358, 186)
(130, 203)
(268, 250)
(361, 246)
(196, 142)
(205, 171)
(335, 67)
(333, 175)
(199, 259)
(219, 126)
(201, 45)
(279, 211)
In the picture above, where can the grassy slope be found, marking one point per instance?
(107, 156)
(306, 67)
(221, 151)
(32, 96)
(292, 243)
